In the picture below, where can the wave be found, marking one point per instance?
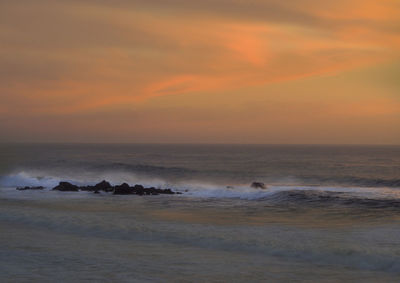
(138, 171)
(334, 198)
(355, 181)
(143, 168)
(23, 179)
(275, 195)
(37, 178)
(165, 171)
(304, 195)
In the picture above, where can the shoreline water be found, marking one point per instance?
(173, 238)
(325, 216)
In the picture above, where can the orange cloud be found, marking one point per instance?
(74, 57)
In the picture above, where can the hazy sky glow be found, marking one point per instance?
(255, 71)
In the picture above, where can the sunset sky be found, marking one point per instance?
(206, 71)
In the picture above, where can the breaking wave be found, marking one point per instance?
(173, 171)
(376, 197)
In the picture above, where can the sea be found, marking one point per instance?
(329, 213)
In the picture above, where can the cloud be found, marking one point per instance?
(76, 57)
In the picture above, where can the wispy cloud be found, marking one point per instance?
(71, 57)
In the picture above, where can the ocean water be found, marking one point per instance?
(330, 214)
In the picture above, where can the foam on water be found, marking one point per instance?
(209, 190)
(329, 213)
(38, 178)
(22, 179)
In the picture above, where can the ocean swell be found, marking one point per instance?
(355, 181)
(333, 198)
(373, 197)
(142, 168)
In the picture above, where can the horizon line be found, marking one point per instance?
(195, 143)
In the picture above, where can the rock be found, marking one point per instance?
(151, 191)
(138, 189)
(168, 192)
(30, 188)
(87, 188)
(103, 186)
(258, 185)
(123, 189)
(66, 187)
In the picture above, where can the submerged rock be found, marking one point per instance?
(66, 187)
(30, 188)
(258, 185)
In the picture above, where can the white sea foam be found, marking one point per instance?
(26, 179)
(245, 192)
(189, 188)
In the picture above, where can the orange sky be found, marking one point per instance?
(256, 71)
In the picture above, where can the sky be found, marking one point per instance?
(209, 71)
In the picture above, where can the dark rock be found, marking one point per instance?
(110, 189)
(87, 188)
(168, 192)
(30, 188)
(154, 191)
(66, 187)
(138, 189)
(103, 186)
(123, 189)
(258, 185)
